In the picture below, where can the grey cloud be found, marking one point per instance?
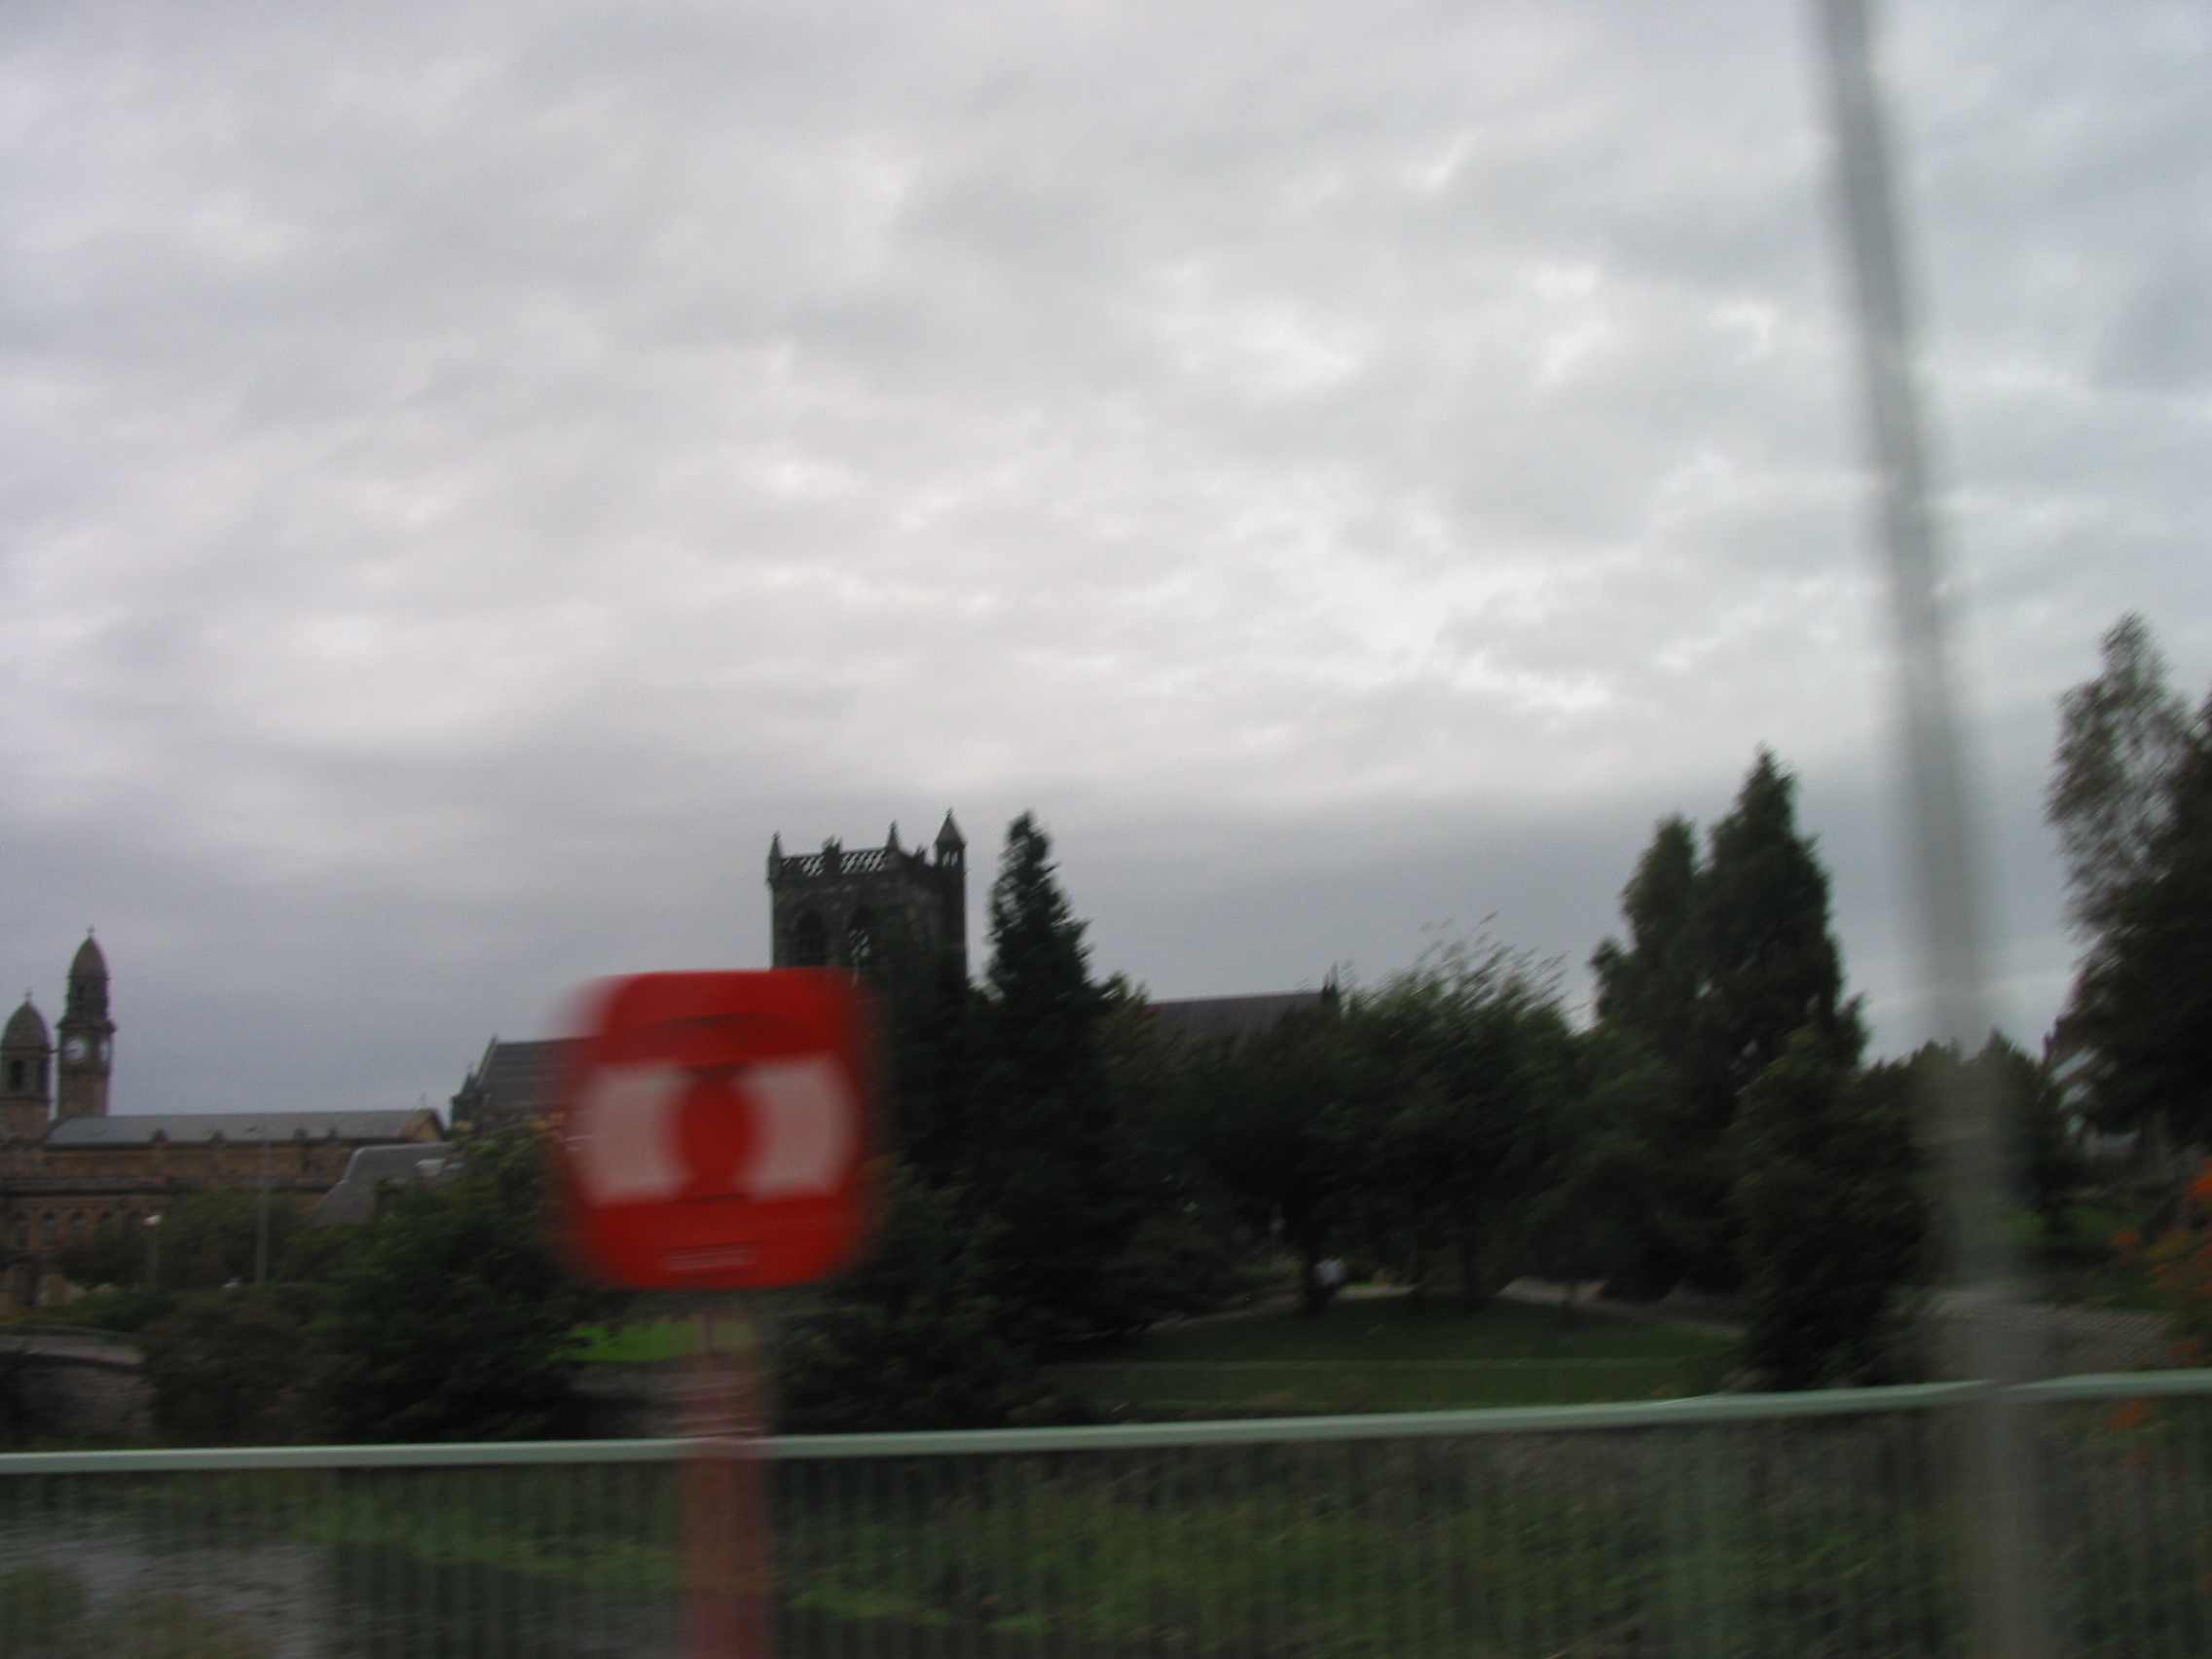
(473, 471)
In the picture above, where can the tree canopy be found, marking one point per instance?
(452, 1317)
(1728, 958)
(2131, 797)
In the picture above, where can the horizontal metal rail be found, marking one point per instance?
(1706, 1408)
(1721, 1527)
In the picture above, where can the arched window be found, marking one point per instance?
(15, 1077)
(22, 1232)
(78, 1227)
(810, 942)
(49, 1230)
(860, 939)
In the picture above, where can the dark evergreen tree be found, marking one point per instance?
(1727, 960)
(1649, 1006)
(1771, 965)
(912, 1338)
(1649, 989)
(1046, 1161)
(1833, 1223)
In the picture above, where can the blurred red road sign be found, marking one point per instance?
(714, 1130)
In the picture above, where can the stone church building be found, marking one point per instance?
(835, 910)
(67, 1165)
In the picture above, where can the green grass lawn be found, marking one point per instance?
(1389, 1355)
(652, 1344)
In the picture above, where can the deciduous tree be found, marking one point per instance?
(2120, 738)
(453, 1317)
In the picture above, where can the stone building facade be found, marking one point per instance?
(68, 1166)
(833, 908)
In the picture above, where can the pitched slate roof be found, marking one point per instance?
(139, 1128)
(373, 1169)
(514, 1083)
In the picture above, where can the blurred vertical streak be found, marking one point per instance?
(1998, 1506)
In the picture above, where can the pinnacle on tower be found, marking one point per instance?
(950, 843)
(88, 981)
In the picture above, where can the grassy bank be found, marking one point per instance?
(1390, 1354)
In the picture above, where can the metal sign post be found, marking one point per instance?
(714, 1136)
(729, 1573)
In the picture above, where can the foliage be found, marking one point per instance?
(912, 1338)
(1771, 964)
(2131, 798)
(2145, 998)
(227, 1365)
(1461, 1067)
(2178, 1262)
(1594, 1200)
(1030, 1204)
(1268, 1121)
(1413, 1123)
(2120, 738)
(1054, 1173)
(451, 1319)
(2032, 1106)
(1187, 1254)
(1833, 1221)
(202, 1240)
(117, 1309)
(1650, 986)
(1727, 958)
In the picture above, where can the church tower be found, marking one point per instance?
(26, 1075)
(836, 909)
(87, 1038)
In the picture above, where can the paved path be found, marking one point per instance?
(88, 1348)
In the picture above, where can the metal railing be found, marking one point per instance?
(1249, 1388)
(1753, 1525)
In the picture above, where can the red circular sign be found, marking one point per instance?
(716, 1130)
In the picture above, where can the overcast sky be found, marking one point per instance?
(473, 470)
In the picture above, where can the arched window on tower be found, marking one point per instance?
(810, 942)
(49, 1230)
(860, 939)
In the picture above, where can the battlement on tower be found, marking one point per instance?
(840, 908)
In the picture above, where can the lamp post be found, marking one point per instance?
(153, 1257)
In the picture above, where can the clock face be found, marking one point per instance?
(75, 1051)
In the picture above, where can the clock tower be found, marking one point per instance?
(88, 1039)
